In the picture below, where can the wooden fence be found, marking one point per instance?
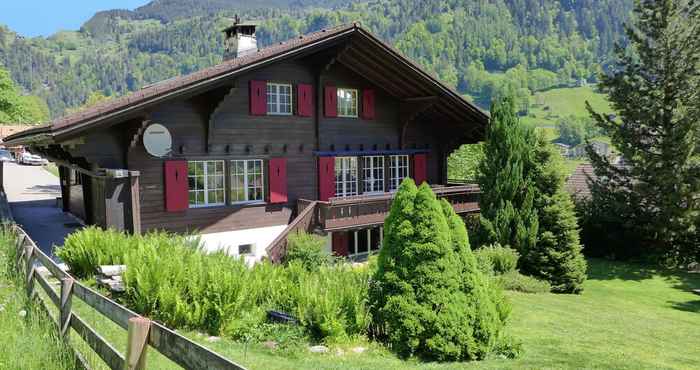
(141, 332)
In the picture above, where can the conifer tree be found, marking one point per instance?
(557, 256)
(425, 300)
(655, 90)
(506, 202)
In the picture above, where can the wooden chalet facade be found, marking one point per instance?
(313, 133)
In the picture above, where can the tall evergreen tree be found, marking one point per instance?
(655, 89)
(557, 256)
(428, 298)
(507, 210)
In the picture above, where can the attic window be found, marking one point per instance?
(279, 99)
(347, 102)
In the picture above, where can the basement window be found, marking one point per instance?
(245, 249)
(279, 99)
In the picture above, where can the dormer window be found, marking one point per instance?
(279, 99)
(347, 102)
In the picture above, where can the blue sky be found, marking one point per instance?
(46, 17)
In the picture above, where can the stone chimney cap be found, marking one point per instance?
(238, 24)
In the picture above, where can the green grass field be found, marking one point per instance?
(547, 107)
(629, 317)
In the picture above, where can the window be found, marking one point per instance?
(206, 183)
(364, 242)
(345, 176)
(347, 102)
(279, 99)
(398, 170)
(373, 171)
(247, 181)
(245, 249)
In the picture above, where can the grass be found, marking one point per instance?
(629, 317)
(27, 341)
(547, 107)
(52, 169)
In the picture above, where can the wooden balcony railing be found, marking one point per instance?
(369, 210)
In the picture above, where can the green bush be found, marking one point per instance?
(308, 249)
(91, 247)
(170, 279)
(513, 280)
(500, 259)
(428, 297)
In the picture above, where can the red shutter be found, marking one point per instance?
(326, 178)
(305, 100)
(419, 168)
(368, 104)
(340, 243)
(258, 98)
(278, 180)
(331, 101)
(176, 187)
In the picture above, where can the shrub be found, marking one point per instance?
(452, 311)
(500, 259)
(91, 247)
(308, 249)
(513, 280)
(170, 279)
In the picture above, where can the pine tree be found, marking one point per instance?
(557, 256)
(654, 88)
(425, 300)
(507, 213)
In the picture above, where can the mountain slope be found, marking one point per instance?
(483, 48)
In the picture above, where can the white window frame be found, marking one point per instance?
(347, 110)
(345, 169)
(369, 181)
(246, 184)
(396, 170)
(277, 105)
(353, 249)
(206, 177)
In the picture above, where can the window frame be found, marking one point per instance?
(395, 166)
(372, 182)
(277, 94)
(205, 190)
(353, 242)
(246, 185)
(340, 108)
(346, 174)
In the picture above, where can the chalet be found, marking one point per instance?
(313, 134)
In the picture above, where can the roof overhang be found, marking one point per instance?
(409, 82)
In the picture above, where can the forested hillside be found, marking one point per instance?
(480, 47)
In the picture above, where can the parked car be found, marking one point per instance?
(5, 156)
(32, 159)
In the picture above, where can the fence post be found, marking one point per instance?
(20, 250)
(66, 303)
(29, 252)
(137, 343)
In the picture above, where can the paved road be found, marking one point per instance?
(32, 192)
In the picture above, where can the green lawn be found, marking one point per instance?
(547, 107)
(629, 317)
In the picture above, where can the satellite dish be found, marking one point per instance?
(157, 140)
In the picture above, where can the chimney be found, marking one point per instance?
(240, 39)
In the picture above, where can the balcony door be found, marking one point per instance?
(373, 174)
(345, 176)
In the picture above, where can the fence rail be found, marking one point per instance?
(141, 332)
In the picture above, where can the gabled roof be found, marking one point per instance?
(158, 92)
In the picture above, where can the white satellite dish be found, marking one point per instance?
(157, 140)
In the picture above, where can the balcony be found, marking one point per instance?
(369, 210)
(362, 211)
